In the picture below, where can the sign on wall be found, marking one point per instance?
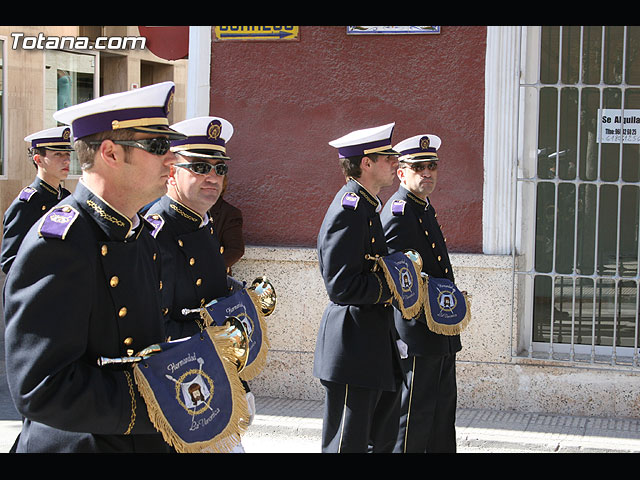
(391, 30)
(614, 121)
(265, 33)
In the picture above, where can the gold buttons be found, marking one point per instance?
(104, 250)
(165, 311)
(439, 258)
(446, 270)
(122, 312)
(155, 255)
(114, 281)
(198, 282)
(433, 245)
(373, 239)
(221, 249)
(181, 243)
(160, 284)
(128, 341)
(44, 207)
(192, 261)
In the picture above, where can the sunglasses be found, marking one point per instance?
(155, 146)
(203, 168)
(420, 166)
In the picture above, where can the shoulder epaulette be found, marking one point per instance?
(350, 200)
(156, 221)
(27, 193)
(397, 207)
(57, 221)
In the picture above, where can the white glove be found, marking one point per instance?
(403, 349)
(251, 402)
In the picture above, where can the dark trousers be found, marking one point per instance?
(359, 420)
(428, 411)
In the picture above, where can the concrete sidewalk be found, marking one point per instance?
(295, 426)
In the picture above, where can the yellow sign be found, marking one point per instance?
(257, 33)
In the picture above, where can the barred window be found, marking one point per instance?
(579, 193)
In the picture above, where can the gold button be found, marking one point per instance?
(122, 312)
(44, 207)
(165, 311)
(128, 341)
(155, 255)
(104, 250)
(435, 215)
(114, 281)
(221, 249)
(211, 230)
(160, 284)
(433, 245)
(370, 223)
(199, 282)
(446, 270)
(373, 240)
(420, 220)
(426, 233)
(439, 258)
(192, 261)
(180, 243)
(445, 239)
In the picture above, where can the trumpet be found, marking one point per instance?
(142, 355)
(262, 287)
(233, 331)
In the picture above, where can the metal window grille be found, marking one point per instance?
(578, 186)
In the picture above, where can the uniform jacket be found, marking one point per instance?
(412, 224)
(227, 223)
(32, 202)
(193, 269)
(356, 341)
(82, 287)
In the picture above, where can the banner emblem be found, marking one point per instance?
(403, 277)
(446, 308)
(193, 393)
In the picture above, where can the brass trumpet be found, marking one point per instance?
(235, 331)
(266, 294)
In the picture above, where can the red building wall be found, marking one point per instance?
(287, 100)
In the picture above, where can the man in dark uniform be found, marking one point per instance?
(193, 267)
(429, 396)
(94, 246)
(356, 355)
(50, 153)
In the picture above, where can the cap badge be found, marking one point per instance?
(424, 143)
(214, 129)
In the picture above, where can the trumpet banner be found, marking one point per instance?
(446, 308)
(403, 277)
(193, 393)
(244, 305)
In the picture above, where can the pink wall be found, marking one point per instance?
(286, 100)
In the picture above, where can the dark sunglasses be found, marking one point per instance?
(203, 168)
(155, 146)
(420, 166)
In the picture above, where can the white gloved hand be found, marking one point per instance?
(251, 402)
(403, 349)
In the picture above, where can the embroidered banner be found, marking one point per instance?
(403, 277)
(245, 306)
(193, 393)
(447, 309)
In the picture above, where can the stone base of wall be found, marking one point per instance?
(489, 375)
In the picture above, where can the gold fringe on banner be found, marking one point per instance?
(407, 312)
(440, 328)
(231, 435)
